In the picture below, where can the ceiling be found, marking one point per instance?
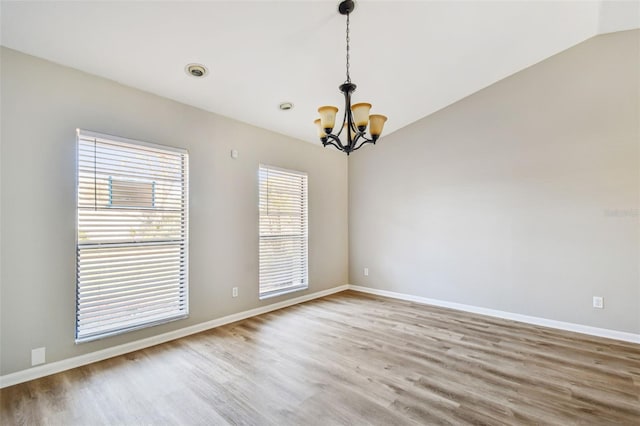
(408, 58)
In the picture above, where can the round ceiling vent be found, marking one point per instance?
(196, 70)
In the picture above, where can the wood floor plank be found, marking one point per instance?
(349, 358)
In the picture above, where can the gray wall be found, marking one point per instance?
(523, 197)
(42, 105)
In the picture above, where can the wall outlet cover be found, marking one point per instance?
(38, 356)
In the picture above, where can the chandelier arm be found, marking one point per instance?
(332, 144)
(361, 145)
(358, 136)
(364, 142)
(348, 117)
(335, 141)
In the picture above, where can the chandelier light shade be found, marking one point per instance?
(356, 117)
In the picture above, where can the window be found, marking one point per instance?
(283, 231)
(132, 230)
(131, 193)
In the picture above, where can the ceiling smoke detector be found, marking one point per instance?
(196, 70)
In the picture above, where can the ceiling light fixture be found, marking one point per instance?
(286, 106)
(196, 70)
(356, 117)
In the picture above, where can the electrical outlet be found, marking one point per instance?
(598, 302)
(38, 356)
(366, 272)
(234, 292)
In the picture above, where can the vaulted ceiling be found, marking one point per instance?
(408, 58)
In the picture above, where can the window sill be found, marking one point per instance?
(124, 330)
(282, 292)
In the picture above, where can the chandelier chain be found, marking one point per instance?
(348, 76)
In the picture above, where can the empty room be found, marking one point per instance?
(320, 212)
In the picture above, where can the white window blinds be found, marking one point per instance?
(132, 235)
(283, 231)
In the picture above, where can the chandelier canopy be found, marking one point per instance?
(356, 117)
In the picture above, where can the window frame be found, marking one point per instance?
(181, 245)
(304, 285)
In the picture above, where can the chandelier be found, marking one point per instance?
(356, 117)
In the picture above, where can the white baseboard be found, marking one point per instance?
(78, 361)
(578, 328)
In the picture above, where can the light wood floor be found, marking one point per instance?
(349, 359)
